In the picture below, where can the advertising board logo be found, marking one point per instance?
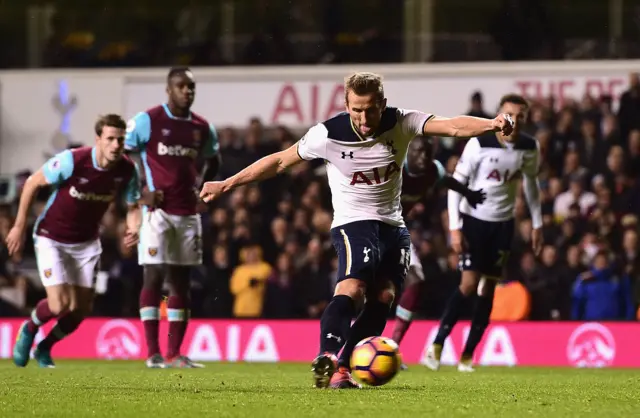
(64, 103)
(118, 339)
(591, 345)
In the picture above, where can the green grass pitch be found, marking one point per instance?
(127, 389)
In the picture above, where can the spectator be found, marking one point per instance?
(575, 194)
(600, 294)
(248, 283)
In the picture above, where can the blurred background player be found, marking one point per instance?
(368, 230)
(86, 181)
(174, 144)
(420, 175)
(483, 235)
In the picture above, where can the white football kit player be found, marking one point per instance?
(365, 177)
(496, 167)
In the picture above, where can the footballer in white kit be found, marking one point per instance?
(482, 235)
(364, 149)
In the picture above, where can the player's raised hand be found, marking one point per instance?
(131, 238)
(536, 241)
(476, 197)
(456, 240)
(211, 190)
(503, 123)
(15, 240)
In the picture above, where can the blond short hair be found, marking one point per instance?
(363, 83)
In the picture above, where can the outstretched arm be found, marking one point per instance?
(313, 145)
(467, 126)
(265, 168)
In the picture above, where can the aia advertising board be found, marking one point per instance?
(42, 112)
(570, 344)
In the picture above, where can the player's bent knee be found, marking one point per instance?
(353, 288)
(153, 276)
(82, 301)
(487, 285)
(58, 303)
(387, 296)
(469, 282)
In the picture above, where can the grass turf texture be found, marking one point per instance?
(127, 389)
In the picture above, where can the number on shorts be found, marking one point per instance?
(405, 260)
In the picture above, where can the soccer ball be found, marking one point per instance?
(375, 361)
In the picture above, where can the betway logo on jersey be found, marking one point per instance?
(177, 151)
(73, 192)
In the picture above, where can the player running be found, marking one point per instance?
(364, 148)
(86, 181)
(420, 176)
(172, 141)
(482, 235)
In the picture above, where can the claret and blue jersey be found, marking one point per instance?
(82, 193)
(169, 148)
(416, 188)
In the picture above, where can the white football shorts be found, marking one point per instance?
(73, 264)
(170, 239)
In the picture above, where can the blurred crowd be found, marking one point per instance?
(268, 252)
(67, 33)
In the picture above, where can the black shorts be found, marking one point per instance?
(487, 245)
(373, 252)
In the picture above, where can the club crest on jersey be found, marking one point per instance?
(47, 273)
(153, 251)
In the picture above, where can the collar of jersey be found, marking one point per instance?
(165, 106)
(360, 137)
(505, 144)
(94, 160)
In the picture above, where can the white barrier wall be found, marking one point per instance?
(37, 107)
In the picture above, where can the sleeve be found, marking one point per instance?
(138, 132)
(314, 143)
(132, 192)
(464, 169)
(468, 163)
(413, 121)
(59, 168)
(531, 185)
(212, 146)
(453, 210)
(441, 170)
(531, 162)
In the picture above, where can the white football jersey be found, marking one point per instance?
(365, 174)
(497, 168)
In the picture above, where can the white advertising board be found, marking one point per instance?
(38, 106)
